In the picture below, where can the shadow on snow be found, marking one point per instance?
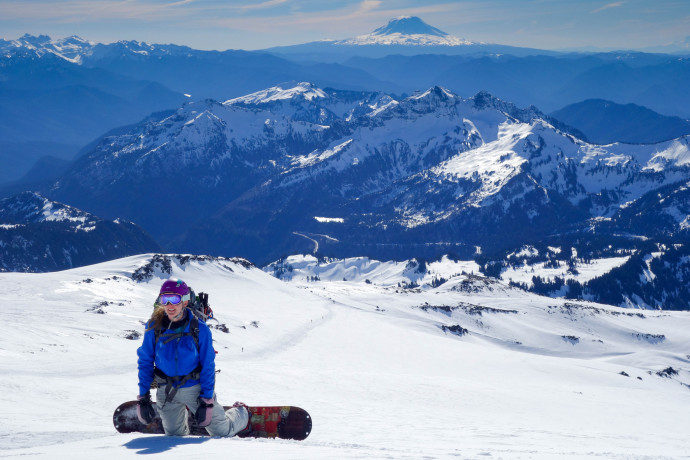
(158, 444)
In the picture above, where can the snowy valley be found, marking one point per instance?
(388, 365)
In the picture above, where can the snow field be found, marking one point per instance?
(377, 372)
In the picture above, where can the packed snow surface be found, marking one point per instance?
(468, 369)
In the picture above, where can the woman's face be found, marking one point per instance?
(174, 311)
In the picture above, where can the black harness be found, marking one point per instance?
(173, 383)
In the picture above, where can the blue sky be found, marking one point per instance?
(244, 24)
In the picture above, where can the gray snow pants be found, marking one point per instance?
(174, 414)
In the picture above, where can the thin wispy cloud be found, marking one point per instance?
(369, 5)
(367, 14)
(262, 5)
(82, 10)
(607, 7)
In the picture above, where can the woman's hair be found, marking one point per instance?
(157, 317)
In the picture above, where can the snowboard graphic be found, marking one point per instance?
(285, 422)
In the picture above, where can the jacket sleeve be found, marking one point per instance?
(147, 355)
(207, 357)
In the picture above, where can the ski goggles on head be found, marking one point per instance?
(170, 298)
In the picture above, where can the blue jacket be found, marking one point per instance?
(178, 357)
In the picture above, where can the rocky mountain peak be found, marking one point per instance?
(33, 40)
(434, 99)
(486, 101)
(437, 93)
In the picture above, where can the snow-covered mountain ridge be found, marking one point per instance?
(408, 31)
(71, 49)
(660, 284)
(567, 379)
(80, 51)
(31, 207)
(428, 275)
(307, 268)
(297, 112)
(460, 171)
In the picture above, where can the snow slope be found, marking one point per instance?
(471, 369)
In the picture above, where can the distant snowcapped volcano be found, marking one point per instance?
(407, 30)
(409, 25)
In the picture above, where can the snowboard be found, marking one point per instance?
(284, 422)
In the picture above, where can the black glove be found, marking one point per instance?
(145, 411)
(204, 412)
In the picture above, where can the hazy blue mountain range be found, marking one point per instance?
(19, 158)
(412, 55)
(548, 82)
(58, 95)
(604, 122)
(680, 47)
(50, 106)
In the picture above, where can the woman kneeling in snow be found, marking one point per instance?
(178, 352)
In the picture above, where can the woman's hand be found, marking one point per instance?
(145, 411)
(204, 412)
